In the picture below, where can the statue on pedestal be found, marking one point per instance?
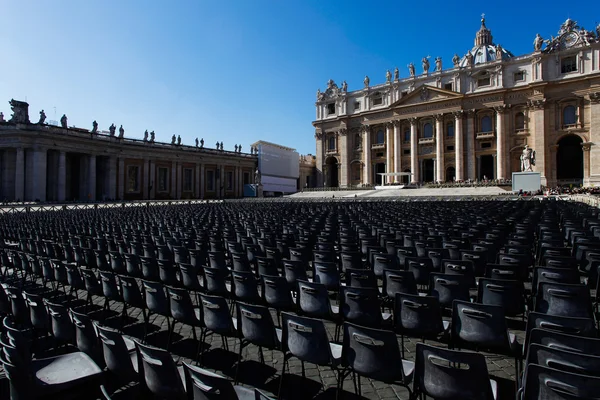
(178, 140)
(121, 132)
(257, 177)
(425, 62)
(20, 111)
(469, 59)
(388, 76)
(152, 134)
(202, 143)
(344, 86)
(173, 139)
(235, 147)
(366, 81)
(221, 146)
(63, 121)
(438, 64)
(42, 117)
(527, 159)
(456, 60)
(396, 74)
(240, 148)
(146, 135)
(411, 69)
(197, 142)
(1, 117)
(94, 127)
(538, 42)
(112, 128)
(217, 146)
(499, 53)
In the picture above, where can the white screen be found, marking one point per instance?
(275, 184)
(278, 162)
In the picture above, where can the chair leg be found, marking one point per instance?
(239, 361)
(171, 328)
(281, 377)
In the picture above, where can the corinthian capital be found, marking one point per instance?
(343, 132)
(536, 104)
(595, 97)
(500, 108)
(458, 114)
(413, 120)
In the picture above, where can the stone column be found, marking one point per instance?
(152, 183)
(222, 184)
(92, 178)
(594, 138)
(197, 182)
(20, 175)
(112, 177)
(367, 178)
(62, 176)
(551, 179)
(414, 158)
(179, 180)
(173, 188)
(539, 136)
(342, 143)
(145, 179)
(439, 148)
(470, 151)
(389, 151)
(500, 143)
(496, 164)
(478, 163)
(397, 150)
(319, 157)
(39, 174)
(121, 185)
(458, 146)
(202, 181)
(586, 162)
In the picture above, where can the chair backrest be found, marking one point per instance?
(421, 268)
(294, 270)
(381, 262)
(86, 338)
(256, 325)
(160, 373)
(448, 288)
(305, 338)
(509, 294)
(360, 278)
(215, 280)
(479, 325)
(327, 274)
(450, 374)
(116, 355)
(110, 287)
(553, 275)
(181, 306)
(131, 291)
(361, 306)
(244, 286)
(216, 314)
(460, 267)
(17, 304)
(373, 353)
(569, 300)
(60, 322)
(38, 314)
(548, 383)
(202, 384)
(313, 299)
(156, 299)
(573, 326)
(150, 268)
(167, 272)
(398, 282)
(563, 360)
(417, 315)
(92, 284)
(276, 293)
(563, 341)
(189, 276)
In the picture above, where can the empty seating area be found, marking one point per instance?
(296, 300)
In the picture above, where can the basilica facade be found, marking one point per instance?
(471, 121)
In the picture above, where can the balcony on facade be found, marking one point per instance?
(428, 140)
(331, 151)
(485, 135)
(377, 146)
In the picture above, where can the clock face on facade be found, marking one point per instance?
(569, 39)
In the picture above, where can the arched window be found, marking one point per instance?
(427, 130)
(569, 115)
(520, 121)
(407, 135)
(450, 129)
(380, 137)
(486, 124)
(331, 145)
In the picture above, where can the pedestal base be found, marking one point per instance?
(526, 181)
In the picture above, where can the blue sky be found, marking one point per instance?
(234, 71)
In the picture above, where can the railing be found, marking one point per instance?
(485, 135)
(426, 140)
(378, 146)
(339, 188)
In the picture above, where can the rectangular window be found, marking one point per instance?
(330, 108)
(188, 178)
(449, 148)
(568, 64)
(133, 179)
(519, 76)
(210, 181)
(406, 152)
(357, 106)
(403, 93)
(448, 86)
(246, 178)
(486, 145)
(485, 81)
(163, 179)
(229, 180)
(377, 101)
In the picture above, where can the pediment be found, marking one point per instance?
(426, 94)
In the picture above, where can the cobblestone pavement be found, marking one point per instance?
(320, 382)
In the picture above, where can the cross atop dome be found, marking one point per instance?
(484, 35)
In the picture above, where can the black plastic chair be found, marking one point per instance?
(217, 320)
(327, 274)
(244, 287)
(509, 294)
(563, 360)
(61, 326)
(86, 338)
(216, 281)
(276, 293)
(156, 303)
(450, 374)
(564, 300)
(360, 278)
(418, 316)
(449, 287)
(361, 306)
(182, 310)
(313, 301)
(159, 373)
(374, 353)
(583, 327)
(120, 356)
(562, 341)
(549, 383)
(307, 340)
(202, 384)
